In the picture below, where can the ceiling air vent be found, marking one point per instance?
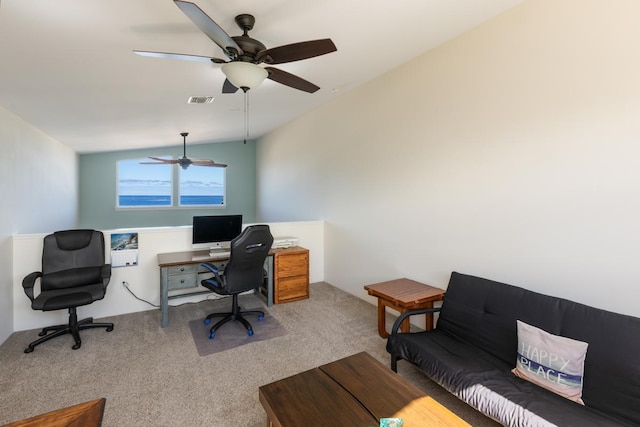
(200, 100)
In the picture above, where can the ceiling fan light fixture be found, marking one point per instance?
(244, 75)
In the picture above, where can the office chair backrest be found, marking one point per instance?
(72, 258)
(245, 269)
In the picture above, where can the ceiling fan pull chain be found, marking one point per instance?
(246, 115)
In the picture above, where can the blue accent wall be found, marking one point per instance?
(97, 190)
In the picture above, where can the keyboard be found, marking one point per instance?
(219, 254)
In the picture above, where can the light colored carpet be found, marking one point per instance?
(152, 376)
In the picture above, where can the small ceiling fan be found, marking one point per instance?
(184, 161)
(245, 53)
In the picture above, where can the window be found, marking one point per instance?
(151, 186)
(143, 185)
(202, 186)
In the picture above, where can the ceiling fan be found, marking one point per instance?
(184, 161)
(245, 53)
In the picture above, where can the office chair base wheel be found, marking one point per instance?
(250, 332)
(207, 321)
(260, 318)
(212, 335)
(73, 328)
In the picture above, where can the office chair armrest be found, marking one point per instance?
(29, 282)
(106, 275)
(106, 271)
(214, 270)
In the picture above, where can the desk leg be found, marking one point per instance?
(266, 291)
(164, 296)
(269, 262)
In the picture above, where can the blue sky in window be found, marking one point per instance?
(135, 179)
(200, 180)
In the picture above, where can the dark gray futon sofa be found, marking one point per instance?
(473, 349)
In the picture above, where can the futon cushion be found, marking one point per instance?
(483, 313)
(486, 383)
(551, 361)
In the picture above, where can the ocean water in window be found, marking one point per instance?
(201, 185)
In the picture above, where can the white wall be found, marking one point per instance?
(510, 153)
(143, 279)
(38, 190)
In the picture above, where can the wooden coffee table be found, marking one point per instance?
(403, 295)
(354, 391)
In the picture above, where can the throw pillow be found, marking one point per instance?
(551, 361)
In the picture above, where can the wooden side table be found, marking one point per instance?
(403, 295)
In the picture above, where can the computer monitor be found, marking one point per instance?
(215, 232)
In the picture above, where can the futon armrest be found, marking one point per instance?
(29, 282)
(398, 322)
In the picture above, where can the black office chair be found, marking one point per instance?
(244, 271)
(73, 274)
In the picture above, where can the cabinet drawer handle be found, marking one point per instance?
(181, 268)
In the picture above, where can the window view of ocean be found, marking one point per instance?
(141, 186)
(132, 200)
(158, 200)
(201, 200)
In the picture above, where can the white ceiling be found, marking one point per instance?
(67, 66)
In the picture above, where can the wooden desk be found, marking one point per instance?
(403, 295)
(354, 391)
(287, 277)
(180, 270)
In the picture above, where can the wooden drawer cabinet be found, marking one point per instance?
(291, 274)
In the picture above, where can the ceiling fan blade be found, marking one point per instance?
(296, 51)
(228, 87)
(161, 161)
(290, 80)
(180, 56)
(209, 163)
(210, 28)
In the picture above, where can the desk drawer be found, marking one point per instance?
(182, 277)
(182, 281)
(291, 265)
(292, 289)
(183, 269)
